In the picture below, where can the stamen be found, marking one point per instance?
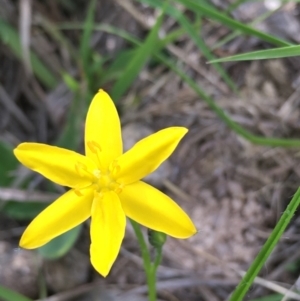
(114, 168)
(77, 191)
(81, 169)
(117, 169)
(77, 169)
(118, 190)
(94, 146)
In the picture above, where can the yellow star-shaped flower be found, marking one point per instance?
(105, 185)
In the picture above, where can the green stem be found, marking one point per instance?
(144, 249)
(150, 268)
(152, 274)
(151, 282)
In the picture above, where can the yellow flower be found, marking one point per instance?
(105, 185)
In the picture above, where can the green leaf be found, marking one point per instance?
(8, 163)
(10, 295)
(262, 54)
(60, 245)
(266, 250)
(11, 38)
(137, 63)
(23, 211)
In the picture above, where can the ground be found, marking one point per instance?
(235, 191)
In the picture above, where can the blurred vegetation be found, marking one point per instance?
(86, 69)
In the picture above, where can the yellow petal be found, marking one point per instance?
(103, 140)
(155, 210)
(107, 231)
(146, 155)
(60, 165)
(65, 213)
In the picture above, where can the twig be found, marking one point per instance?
(18, 195)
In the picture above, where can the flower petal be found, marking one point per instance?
(107, 231)
(60, 165)
(155, 210)
(67, 212)
(103, 139)
(146, 155)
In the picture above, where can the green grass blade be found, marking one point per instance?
(194, 35)
(274, 53)
(85, 48)
(11, 38)
(266, 250)
(134, 67)
(117, 66)
(212, 13)
(237, 33)
(274, 297)
(70, 136)
(9, 295)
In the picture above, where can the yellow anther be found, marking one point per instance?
(117, 169)
(83, 171)
(114, 168)
(96, 149)
(94, 146)
(118, 190)
(79, 167)
(77, 191)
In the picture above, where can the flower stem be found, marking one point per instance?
(151, 277)
(150, 267)
(143, 245)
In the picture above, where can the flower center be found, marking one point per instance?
(104, 181)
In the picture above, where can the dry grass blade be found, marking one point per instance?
(14, 110)
(24, 28)
(146, 22)
(18, 195)
(182, 283)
